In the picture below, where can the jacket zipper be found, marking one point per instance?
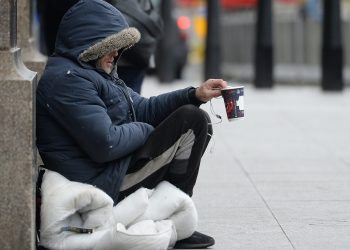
(131, 111)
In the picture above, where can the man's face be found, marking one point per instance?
(106, 62)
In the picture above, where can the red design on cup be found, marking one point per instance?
(234, 104)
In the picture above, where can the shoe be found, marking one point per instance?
(196, 241)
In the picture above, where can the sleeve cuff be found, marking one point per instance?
(193, 98)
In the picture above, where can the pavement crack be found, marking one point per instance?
(263, 199)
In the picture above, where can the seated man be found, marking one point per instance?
(91, 128)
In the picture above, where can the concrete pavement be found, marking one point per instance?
(280, 178)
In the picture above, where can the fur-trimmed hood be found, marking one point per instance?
(91, 29)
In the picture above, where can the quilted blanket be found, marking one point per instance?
(80, 216)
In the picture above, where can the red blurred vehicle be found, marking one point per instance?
(235, 4)
(227, 4)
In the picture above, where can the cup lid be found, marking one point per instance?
(233, 87)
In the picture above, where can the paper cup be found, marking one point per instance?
(234, 102)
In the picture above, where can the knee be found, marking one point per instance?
(195, 116)
(191, 112)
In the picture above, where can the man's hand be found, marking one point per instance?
(209, 89)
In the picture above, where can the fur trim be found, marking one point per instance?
(123, 39)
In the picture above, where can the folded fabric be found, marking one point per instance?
(169, 202)
(80, 216)
(143, 235)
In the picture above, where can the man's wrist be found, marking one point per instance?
(193, 97)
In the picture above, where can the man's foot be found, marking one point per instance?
(195, 241)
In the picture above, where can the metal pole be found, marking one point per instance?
(332, 47)
(264, 45)
(165, 52)
(213, 41)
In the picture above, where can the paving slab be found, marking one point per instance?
(315, 224)
(280, 178)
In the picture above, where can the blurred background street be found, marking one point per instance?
(294, 29)
(231, 37)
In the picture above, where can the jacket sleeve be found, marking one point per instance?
(76, 105)
(155, 109)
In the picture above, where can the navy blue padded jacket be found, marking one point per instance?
(88, 123)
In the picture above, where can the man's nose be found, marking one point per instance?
(114, 53)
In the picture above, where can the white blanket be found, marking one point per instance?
(145, 220)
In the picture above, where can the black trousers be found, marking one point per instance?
(172, 152)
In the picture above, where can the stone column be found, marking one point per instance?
(31, 57)
(17, 144)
